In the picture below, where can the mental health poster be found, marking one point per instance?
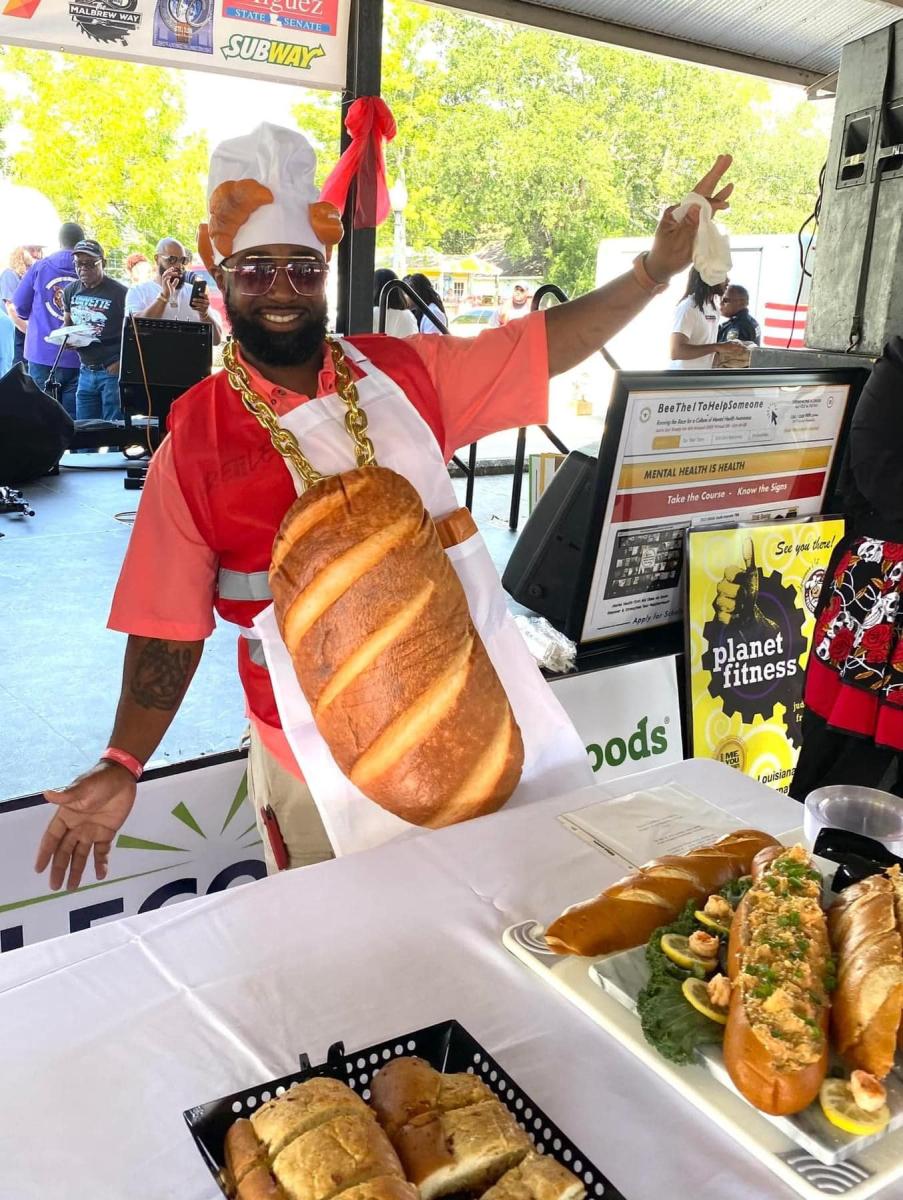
(695, 454)
(750, 612)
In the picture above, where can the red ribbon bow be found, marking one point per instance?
(370, 123)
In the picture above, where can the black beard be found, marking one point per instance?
(278, 349)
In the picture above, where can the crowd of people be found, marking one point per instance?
(41, 294)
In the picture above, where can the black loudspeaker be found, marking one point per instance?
(34, 429)
(857, 289)
(544, 568)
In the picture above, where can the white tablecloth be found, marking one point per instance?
(107, 1035)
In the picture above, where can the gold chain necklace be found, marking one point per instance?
(284, 441)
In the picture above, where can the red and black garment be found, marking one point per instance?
(854, 681)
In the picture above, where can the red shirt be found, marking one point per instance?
(496, 381)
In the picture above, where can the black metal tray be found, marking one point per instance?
(447, 1047)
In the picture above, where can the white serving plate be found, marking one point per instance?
(623, 976)
(863, 1170)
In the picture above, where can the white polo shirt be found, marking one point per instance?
(142, 295)
(700, 327)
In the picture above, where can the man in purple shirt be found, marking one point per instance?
(39, 300)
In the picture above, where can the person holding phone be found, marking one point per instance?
(172, 295)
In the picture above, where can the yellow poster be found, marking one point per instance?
(750, 614)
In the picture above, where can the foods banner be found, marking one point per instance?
(296, 41)
(190, 833)
(753, 590)
(627, 716)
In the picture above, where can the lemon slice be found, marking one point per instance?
(677, 948)
(697, 993)
(840, 1108)
(710, 923)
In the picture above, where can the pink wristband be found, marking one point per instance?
(131, 764)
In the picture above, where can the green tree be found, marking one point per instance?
(104, 144)
(541, 144)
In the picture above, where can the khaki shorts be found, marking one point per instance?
(299, 822)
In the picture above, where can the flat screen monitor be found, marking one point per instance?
(688, 449)
(681, 450)
(165, 358)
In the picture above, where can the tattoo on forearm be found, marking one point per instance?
(161, 675)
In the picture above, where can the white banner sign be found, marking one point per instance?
(189, 834)
(296, 41)
(628, 716)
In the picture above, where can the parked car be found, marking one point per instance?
(472, 321)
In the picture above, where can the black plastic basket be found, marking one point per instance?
(447, 1047)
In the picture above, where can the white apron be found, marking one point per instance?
(555, 760)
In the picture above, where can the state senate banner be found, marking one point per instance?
(750, 611)
(296, 41)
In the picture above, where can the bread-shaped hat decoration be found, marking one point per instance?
(231, 203)
(326, 222)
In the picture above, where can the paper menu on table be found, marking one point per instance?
(649, 824)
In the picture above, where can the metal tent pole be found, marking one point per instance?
(357, 250)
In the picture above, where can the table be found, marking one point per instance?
(106, 1036)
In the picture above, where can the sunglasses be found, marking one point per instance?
(173, 260)
(255, 277)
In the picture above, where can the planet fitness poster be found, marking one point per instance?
(750, 613)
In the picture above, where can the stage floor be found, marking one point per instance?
(61, 666)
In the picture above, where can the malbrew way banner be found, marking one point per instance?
(750, 613)
(297, 41)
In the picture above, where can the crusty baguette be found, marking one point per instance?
(537, 1178)
(895, 875)
(402, 1091)
(464, 1150)
(313, 1142)
(338, 1155)
(868, 1001)
(408, 1090)
(382, 1187)
(384, 649)
(626, 913)
(259, 1184)
(302, 1108)
(776, 1038)
(244, 1150)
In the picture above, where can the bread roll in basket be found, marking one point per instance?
(377, 625)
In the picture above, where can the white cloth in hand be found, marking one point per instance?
(711, 250)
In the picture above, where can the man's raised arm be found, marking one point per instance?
(92, 809)
(576, 329)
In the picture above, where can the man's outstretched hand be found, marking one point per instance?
(90, 813)
(672, 248)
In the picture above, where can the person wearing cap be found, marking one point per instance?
(217, 489)
(167, 297)
(38, 300)
(98, 302)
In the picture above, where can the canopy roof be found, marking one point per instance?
(798, 41)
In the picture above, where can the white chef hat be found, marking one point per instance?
(261, 191)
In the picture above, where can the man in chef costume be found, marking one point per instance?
(217, 488)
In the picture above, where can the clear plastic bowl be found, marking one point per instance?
(874, 814)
